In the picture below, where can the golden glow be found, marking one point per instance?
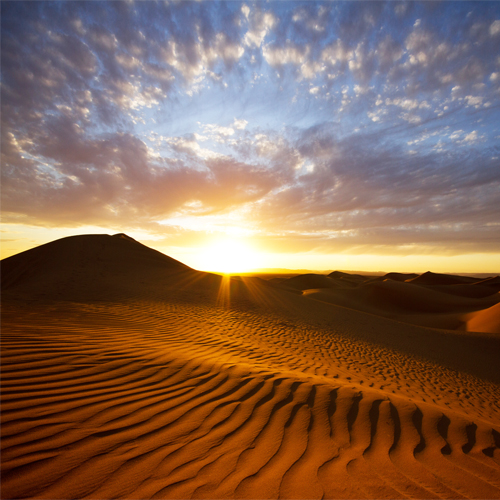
(224, 293)
(238, 254)
(229, 256)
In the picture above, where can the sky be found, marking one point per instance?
(240, 135)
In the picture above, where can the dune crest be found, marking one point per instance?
(148, 379)
(487, 320)
(432, 300)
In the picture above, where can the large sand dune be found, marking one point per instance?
(126, 374)
(434, 300)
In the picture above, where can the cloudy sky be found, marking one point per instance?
(319, 135)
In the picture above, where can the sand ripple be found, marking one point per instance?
(194, 401)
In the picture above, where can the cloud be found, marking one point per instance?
(371, 190)
(337, 54)
(193, 57)
(260, 24)
(240, 124)
(301, 115)
(189, 145)
(495, 28)
(115, 179)
(291, 53)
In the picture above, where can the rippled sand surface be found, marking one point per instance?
(152, 380)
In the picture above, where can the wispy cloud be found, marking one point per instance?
(343, 125)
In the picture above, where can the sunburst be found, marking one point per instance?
(230, 256)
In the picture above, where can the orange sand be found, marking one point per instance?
(126, 374)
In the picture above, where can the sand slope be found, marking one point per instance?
(190, 385)
(430, 278)
(432, 300)
(487, 320)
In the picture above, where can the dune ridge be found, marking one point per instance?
(431, 299)
(181, 384)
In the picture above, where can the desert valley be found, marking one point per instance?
(126, 374)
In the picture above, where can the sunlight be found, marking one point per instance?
(229, 256)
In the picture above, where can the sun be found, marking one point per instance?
(229, 256)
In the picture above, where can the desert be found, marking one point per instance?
(127, 374)
(250, 249)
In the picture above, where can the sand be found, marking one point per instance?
(126, 374)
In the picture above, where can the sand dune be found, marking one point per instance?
(493, 282)
(476, 291)
(402, 297)
(397, 277)
(427, 301)
(430, 278)
(310, 281)
(352, 279)
(487, 320)
(142, 378)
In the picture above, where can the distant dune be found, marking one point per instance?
(398, 277)
(126, 374)
(429, 278)
(430, 299)
(487, 320)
